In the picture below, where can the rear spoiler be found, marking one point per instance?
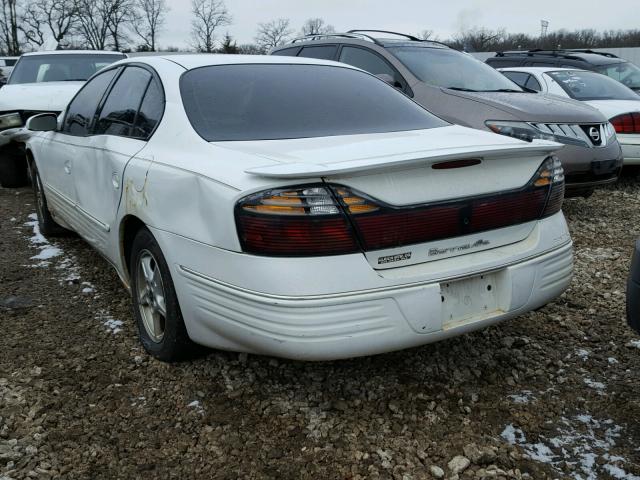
(403, 161)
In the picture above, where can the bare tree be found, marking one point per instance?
(427, 35)
(249, 49)
(208, 15)
(9, 26)
(147, 21)
(121, 13)
(32, 25)
(94, 19)
(273, 33)
(59, 17)
(479, 39)
(316, 26)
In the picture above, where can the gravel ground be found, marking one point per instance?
(553, 394)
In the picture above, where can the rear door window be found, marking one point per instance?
(370, 62)
(533, 84)
(150, 112)
(292, 52)
(323, 52)
(82, 109)
(118, 113)
(518, 77)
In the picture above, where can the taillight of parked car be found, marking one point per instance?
(304, 221)
(333, 219)
(626, 123)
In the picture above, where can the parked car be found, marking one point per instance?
(265, 204)
(618, 103)
(40, 82)
(465, 91)
(582, 59)
(6, 66)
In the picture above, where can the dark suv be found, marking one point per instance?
(462, 90)
(606, 63)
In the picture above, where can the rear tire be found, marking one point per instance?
(13, 170)
(48, 226)
(155, 304)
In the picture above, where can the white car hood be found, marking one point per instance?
(45, 96)
(612, 108)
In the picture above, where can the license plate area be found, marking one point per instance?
(468, 300)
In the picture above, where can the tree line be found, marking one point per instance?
(127, 25)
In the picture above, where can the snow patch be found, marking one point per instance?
(582, 442)
(47, 250)
(583, 354)
(526, 396)
(197, 406)
(108, 321)
(593, 384)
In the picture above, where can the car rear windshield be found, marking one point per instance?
(448, 68)
(59, 67)
(279, 101)
(582, 85)
(624, 72)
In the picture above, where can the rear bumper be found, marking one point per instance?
(633, 291)
(630, 148)
(339, 307)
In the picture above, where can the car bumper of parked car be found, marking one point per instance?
(588, 168)
(11, 135)
(633, 291)
(630, 148)
(364, 322)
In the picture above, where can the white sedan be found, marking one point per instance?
(618, 103)
(297, 207)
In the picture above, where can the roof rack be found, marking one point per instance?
(588, 50)
(566, 53)
(324, 36)
(410, 37)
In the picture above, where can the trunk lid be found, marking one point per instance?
(412, 169)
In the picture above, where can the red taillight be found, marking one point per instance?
(332, 220)
(626, 123)
(303, 221)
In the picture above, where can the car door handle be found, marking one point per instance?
(67, 167)
(115, 181)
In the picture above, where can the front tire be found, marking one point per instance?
(48, 226)
(160, 324)
(13, 170)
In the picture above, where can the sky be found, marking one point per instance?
(444, 17)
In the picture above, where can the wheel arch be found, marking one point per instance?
(130, 225)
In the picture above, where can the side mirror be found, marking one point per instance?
(44, 122)
(385, 77)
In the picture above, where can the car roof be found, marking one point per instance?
(210, 59)
(74, 52)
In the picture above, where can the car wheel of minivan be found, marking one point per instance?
(46, 223)
(13, 170)
(160, 324)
